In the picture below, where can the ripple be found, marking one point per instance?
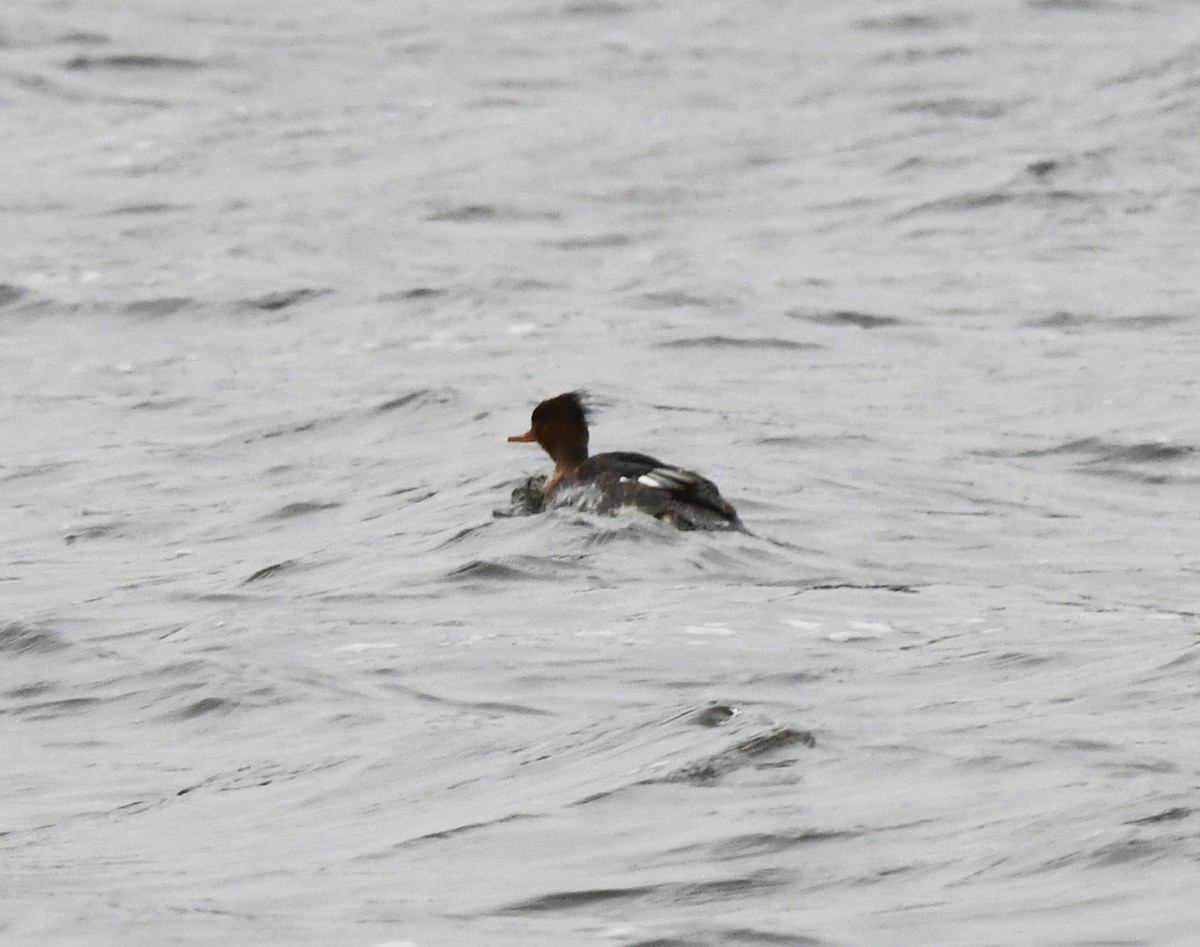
(285, 298)
(586, 897)
(1147, 452)
(18, 638)
(267, 572)
(770, 843)
(909, 22)
(1140, 461)
(303, 508)
(848, 317)
(418, 398)
(731, 342)
(518, 567)
(158, 308)
(1080, 321)
(484, 213)
(1175, 814)
(744, 753)
(417, 292)
(675, 299)
(597, 8)
(133, 61)
(203, 707)
(601, 241)
(9, 293)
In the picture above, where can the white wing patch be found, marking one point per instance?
(667, 478)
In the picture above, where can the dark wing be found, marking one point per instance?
(663, 490)
(619, 463)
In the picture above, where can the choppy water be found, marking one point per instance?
(915, 283)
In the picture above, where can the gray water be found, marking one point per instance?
(915, 283)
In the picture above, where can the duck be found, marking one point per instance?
(617, 480)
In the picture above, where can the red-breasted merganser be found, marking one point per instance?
(606, 482)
